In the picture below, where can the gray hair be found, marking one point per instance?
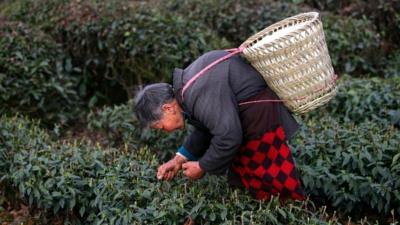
(149, 100)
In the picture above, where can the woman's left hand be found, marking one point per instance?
(192, 170)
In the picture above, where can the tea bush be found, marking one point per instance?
(233, 19)
(360, 100)
(393, 68)
(121, 128)
(44, 14)
(129, 45)
(89, 185)
(384, 15)
(113, 47)
(24, 132)
(355, 167)
(35, 77)
(140, 48)
(357, 53)
(117, 123)
(348, 150)
(351, 52)
(52, 17)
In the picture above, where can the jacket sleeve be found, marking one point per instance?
(195, 144)
(217, 109)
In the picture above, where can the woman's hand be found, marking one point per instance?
(193, 170)
(168, 170)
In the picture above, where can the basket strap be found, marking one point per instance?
(233, 51)
(284, 100)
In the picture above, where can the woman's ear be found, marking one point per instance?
(171, 107)
(168, 107)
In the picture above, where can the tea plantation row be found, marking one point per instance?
(353, 167)
(71, 56)
(86, 184)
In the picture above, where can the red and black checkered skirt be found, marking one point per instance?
(264, 165)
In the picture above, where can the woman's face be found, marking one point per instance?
(171, 119)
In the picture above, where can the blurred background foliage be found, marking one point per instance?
(69, 68)
(103, 51)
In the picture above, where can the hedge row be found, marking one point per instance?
(348, 149)
(35, 77)
(98, 52)
(361, 100)
(384, 14)
(85, 184)
(73, 55)
(120, 41)
(358, 53)
(352, 167)
(118, 126)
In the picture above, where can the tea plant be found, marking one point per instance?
(353, 166)
(121, 128)
(129, 45)
(35, 78)
(360, 100)
(356, 53)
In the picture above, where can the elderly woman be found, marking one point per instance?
(233, 134)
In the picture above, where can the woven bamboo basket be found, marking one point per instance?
(293, 58)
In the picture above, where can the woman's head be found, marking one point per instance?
(156, 107)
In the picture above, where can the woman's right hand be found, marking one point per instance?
(168, 170)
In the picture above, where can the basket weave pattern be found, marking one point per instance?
(297, 65)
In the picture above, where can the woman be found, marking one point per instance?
(232, 135)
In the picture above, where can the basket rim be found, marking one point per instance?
(252, 40)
